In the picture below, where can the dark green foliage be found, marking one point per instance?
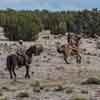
(27, 24)
(19, 24)
(91, 80)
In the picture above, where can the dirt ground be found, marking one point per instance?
(51, 78)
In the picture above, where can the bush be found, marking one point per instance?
(91, 81)
(98, 44)
(79, 98)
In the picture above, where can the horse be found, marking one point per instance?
(67, 51)
(14, 60)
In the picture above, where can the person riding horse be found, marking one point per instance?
(69, 38)
(71, 48)
(73, 42)
(21, 49)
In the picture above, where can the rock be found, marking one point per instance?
(91, 81)
(36, 86)
(22, 94)
(5, 88)
(69, 90)
(36, 89)
(37, 65)
(88, 60)
(44, 56)
(47, 89)
(83, 50)
(84, 91)
(59, 88)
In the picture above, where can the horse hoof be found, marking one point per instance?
(27, 76)
(67, 63)
(11, 77)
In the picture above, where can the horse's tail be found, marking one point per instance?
(8, 63)
(11, 61)
(58, 50)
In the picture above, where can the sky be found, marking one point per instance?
(52, 5)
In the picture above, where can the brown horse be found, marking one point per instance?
(67, 51)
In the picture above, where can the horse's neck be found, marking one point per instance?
(29, 53)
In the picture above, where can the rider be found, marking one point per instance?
(77, 41)
(21, 49)
(69, 40)
(73, 42)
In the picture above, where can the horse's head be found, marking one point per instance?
(34, 49)
(30, 50)
(39, 49)
(60, 49)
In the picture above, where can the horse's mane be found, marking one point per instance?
(29, 51)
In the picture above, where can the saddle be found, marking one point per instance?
(21, 59)
(72, 48)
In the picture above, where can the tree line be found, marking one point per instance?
(26, 25)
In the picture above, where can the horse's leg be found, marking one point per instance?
(65, 59)
(10, 72)
(78, 59)
(27, 72)
(66, 55)
(13, 71)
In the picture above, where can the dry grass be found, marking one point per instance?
(47, 83)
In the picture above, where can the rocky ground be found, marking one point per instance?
(51, 78)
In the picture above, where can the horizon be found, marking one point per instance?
(48, 10)
(81, 10)
(50, 5)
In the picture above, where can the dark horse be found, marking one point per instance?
(13, 60)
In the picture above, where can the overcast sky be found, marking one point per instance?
(53, 5)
